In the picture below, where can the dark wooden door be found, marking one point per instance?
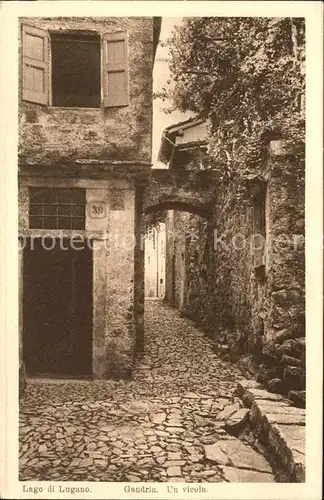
(58, 309)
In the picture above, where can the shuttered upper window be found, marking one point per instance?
(84, 70)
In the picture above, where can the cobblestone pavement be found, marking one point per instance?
(167, 424)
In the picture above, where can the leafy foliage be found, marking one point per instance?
(247, 76)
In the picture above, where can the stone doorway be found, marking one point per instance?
(57, 310)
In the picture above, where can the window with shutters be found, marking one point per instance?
(81, 69)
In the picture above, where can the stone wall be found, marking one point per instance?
(176, 254)
(285, 332)
(120, 133)
(252, 310)
(120, 300)
(200, 268)
(180, 221)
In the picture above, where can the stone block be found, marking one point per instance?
(214, 453)
(294, 378)
(174, 471)
(236, 453)
(260, 408)
(288, 443)
(245, 384)
(282, 407)
(281, 148)
(235, 475)
(280, 426)
(298, 398)
(157, 418)
(269, 355)
(282, 418)
(292, 347)
(255, 394)
(275, 385)
(287, 333)
(289, 360)
(227, 411)
(267, 373)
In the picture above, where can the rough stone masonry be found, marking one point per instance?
(252, 308)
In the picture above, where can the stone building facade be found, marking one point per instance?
(85, 132)
(239, 273)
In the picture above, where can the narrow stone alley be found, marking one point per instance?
(166, 424)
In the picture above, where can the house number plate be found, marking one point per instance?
(97, 209)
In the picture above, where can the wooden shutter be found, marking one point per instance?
(34, 65)
(115, 69)
(259, 229)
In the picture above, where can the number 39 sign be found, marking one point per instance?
(97, 209)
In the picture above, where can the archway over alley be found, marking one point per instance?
(191, 191)
(178, 197)
(167, 190)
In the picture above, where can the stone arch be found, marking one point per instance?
(190, 191)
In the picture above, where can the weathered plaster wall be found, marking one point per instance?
(51, 134)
